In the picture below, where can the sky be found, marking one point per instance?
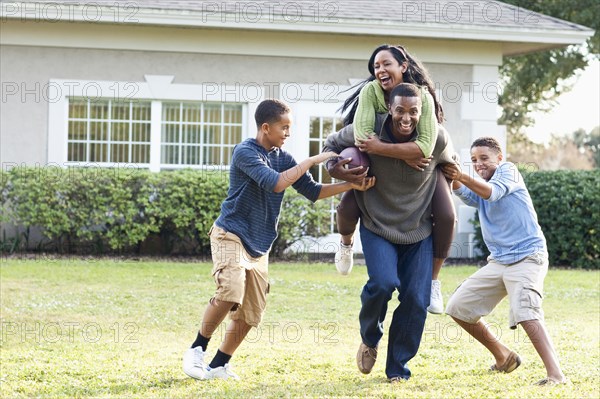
(578, 108)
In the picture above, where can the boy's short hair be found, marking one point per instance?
(270, 111)
(489, 142)
(404, 90)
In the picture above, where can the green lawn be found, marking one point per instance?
(104, 328)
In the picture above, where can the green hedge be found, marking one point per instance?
(94, 211)
(567, 205)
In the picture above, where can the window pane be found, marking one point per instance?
(171, 112)
(77, 130)
(77, 109)
(315, 128)
(191, 155)
(141, 132)
(77, 152)
(119, 131)
(192, 113)
(327, 127)
(227, 156)
(169, 154)
(119, 153)
(324, 177)
(99, 109)
(120, 111)
(140, 111)
(213, 134)
(233, 135)
(98, 152)
(99, 131)
(192, 134)
(140, 153)
(203, 134)
(212, 155)
(232, 114)
(314, 171)
(212, 113)
(170, 134)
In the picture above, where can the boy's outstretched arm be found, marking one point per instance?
(453, 172)
(329, 190)
(290, 176)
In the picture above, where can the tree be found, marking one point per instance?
(589, 142)
(576, 152)
(532, 82)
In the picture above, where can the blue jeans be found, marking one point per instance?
(406, 268)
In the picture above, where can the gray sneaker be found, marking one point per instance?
(193, 363)
(223, 373)
(365, 358)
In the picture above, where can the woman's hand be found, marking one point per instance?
(370, 145)
(418, 163)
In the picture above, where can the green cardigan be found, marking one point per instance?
(371, 101)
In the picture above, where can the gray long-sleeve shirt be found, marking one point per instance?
(398, 207)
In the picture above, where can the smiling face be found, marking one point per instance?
(485, 161)
(405, 112)
(277, 132)
(388, 71)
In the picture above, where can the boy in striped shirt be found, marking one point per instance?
(242, 235)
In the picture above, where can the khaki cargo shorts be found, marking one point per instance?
(523, 282)
(240, 278)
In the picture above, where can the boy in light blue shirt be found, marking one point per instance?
(517, 264)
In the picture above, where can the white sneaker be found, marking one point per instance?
(344, 259)
(223, 372)
(193, 363)
(436, 303)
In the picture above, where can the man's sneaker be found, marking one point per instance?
(223, 373)
(344, 259)
(193, 363)
(365, 358)
(436, 303)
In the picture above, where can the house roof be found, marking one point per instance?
(442, 19)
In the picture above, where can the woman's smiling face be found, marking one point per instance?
(388, 71)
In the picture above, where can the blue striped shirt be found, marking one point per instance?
(251, 209)
(508, 220)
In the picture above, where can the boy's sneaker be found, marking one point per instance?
(436, 303)
(193, 363)
(344, 259)
(223, 372)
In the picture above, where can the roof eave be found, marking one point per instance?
(539, 38)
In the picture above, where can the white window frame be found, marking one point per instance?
(156, 89)
(109, 120)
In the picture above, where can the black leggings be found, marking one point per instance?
(442, 209)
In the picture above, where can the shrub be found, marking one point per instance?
(184, 204)
(95, 210)
(300, 218)
(82, 207)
